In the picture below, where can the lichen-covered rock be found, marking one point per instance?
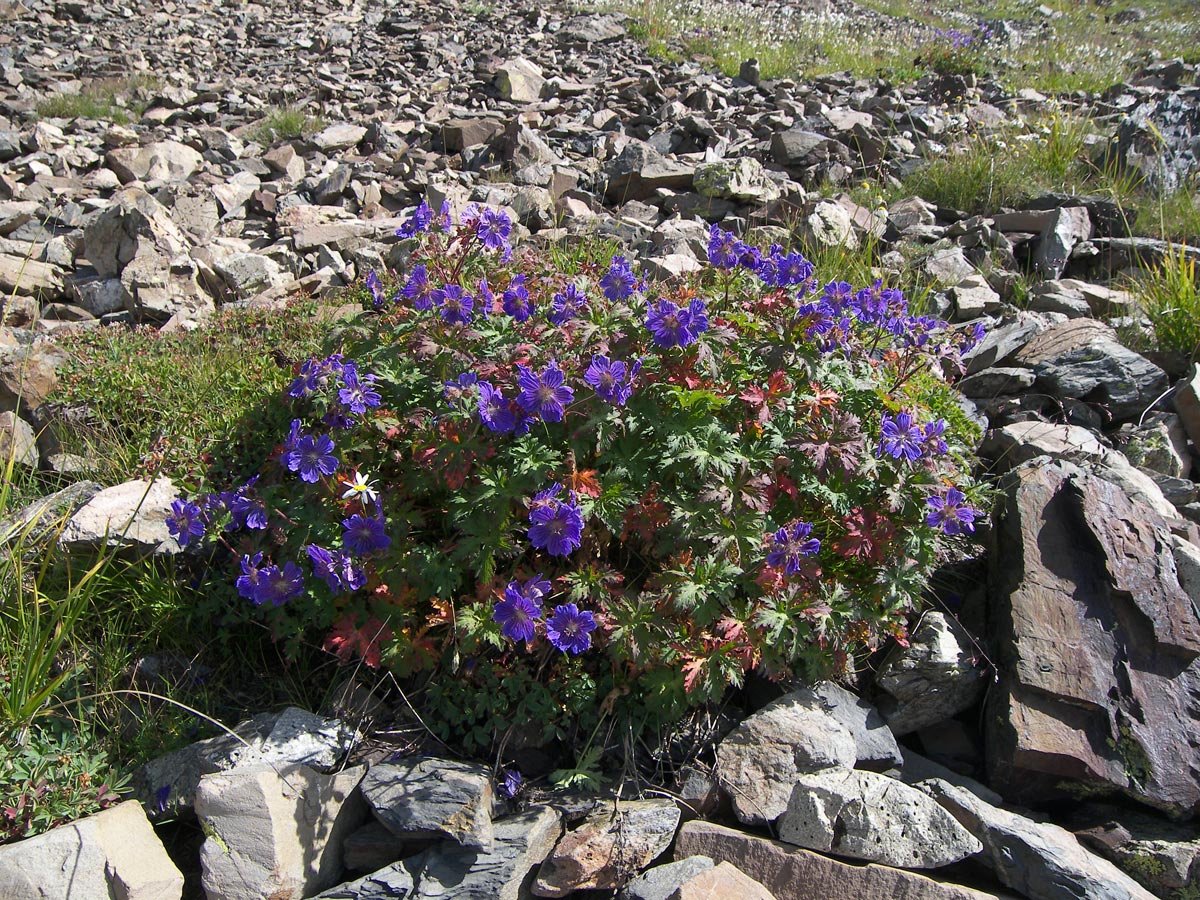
(427, 796)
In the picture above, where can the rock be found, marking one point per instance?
(395, 882)
(114, 853)
(742, 180)
(1041, 861)
(248, 274)
(639, 171)
(99, 296)
(167, 785)
(875, 746)
(608, 847)
(948, 265)
(935, 677)
(995, 382)
(1003, 341)
(520, 81)
(1106, 373)
(275, 832)
(792, 873)
(426, 796)
(18, 444)
(132, 514)
(973, 297)
(723, 880)
(1187, 566)
(1161, 857)
(30, 278)
(660, 882)
(339, 136)
(1096, 645)
(759, 761)
(134, 224)
(158, 287)
(1187, 404)
(1066, 227)
(797, 148)
(1159, 447)
(1157, 138)
(829, 224)
(521, 843)
(161, 161)
(460, 133)
(869, 816)
(28, 376)
(285, 160)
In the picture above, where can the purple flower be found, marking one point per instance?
(416, 289)
(609, 379)
(933, 432)
(838, 294)
(364, 534)
(495, 411)
(486, 297)
(791, 545)
(901, 437)
(336, 569)
(570, 629)
(312, 458)
(375, 288)
(567, 304)
(555, 526)
(358, 393)
(544, 394)
(494, 229)
(510, 783)
(619, 283)
(418, 222)
(245, 511)
(314, 375)
(516, 299)
(950, 513)
(186, 521)
(277, 586)
(724, 250)
(455, 304)
(795, 271)
(673, 326)
(160, 798)
(460, 385)
(247, 582)
(520, 609)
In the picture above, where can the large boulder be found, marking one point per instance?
(1096, 645)
(160, 161)
(425, 796)
(132, 514)
(133, 224)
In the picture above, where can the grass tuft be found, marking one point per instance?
(116, 100)
(286, 123)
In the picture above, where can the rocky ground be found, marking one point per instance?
(1070, 671)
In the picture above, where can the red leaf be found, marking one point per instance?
(346, 641)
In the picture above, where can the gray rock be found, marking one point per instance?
(395, 882)
(18, 444)
(248, 274)
(875, 746)
(339, 136)
(275, 832)
(1066, 227)
(660, 882)
(1043, 862)
(133, 514)
(742, 180)
(114, 853)
(157, 287)
(1156, 446)
(426, 796)
(973, 297)
(167, 785)
(1002, 341)
(948, 265)
(639, 171)
(869, 816)
(520, 81)
(1187, 404)
(797, 148)
(98, 296)
(607, 847)
(134, 224)
(934, 678)
(161, 161)
(31, 278)
(593, 29)
(1162, 857)
(997, 381)
(1104, 372)
(759, 761)
(829, 224)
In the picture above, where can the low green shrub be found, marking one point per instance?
(627, 495)
(1170, 296)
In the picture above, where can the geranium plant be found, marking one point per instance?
(573, 484)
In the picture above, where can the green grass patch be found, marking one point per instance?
(1170, 296)
(183, 403)
(116, 100)
(286, 123)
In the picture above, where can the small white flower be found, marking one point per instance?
(360, 487)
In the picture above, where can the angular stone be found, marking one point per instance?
(875, 746)
(797, 148)
(934, 678)
(285, 160)
(973, 297)
(660, 882)
(998, 381)
(1107, 373)
(1156, 446)
(520, 81)
(742, 180)
(948, 265)
(639, 171)
(1002, 341)
(248, 274)
(829, 224)
(98, 295)
(30, 278)
(18, 444)
(339, 136)
(132, 514)
(161, 161)
(759, 761)
(460, 133)
(1041, 861)
(792, 873)
(135, 223)
(1163, 858)
(275, 832)
(158, 287)
(114, 853)
(426, 797)
(395, 882)
(1066, 227)
(28, 376)
(167, 785)
(869, 816)
(1098, 647)
(1187, 404)
(608, 847)
(720, 881)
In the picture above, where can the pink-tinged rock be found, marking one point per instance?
(1097, 646)
(609, 848)
(791, 873)
(722, 882)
